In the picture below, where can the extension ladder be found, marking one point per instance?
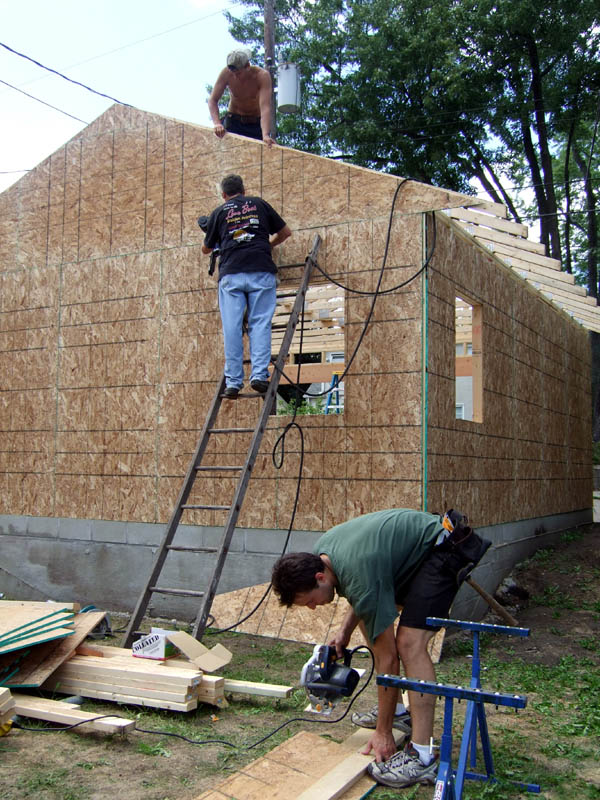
(195, 470)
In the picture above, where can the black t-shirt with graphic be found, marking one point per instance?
(240, 228)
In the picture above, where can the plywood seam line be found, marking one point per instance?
(425, 356)
(157, 438)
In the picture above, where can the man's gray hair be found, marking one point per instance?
(232, 184)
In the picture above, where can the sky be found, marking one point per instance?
(157, 55)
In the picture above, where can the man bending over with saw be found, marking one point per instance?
(378, 562)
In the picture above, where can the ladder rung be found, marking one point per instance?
(207, 469)
(181, 592)
(182, 548)
(232, 430)
(208, 508)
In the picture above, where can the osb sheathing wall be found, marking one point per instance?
(530, 457)
(110, 340)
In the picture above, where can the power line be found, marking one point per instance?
(66, 113)
(60, 75)
(141, 41)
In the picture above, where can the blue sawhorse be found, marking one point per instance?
(449, 783)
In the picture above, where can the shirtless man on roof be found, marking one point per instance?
(250, 91)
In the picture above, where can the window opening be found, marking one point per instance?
(323, 348)
(468, 360)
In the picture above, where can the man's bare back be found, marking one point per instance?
(250, 91)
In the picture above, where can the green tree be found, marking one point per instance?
(447, 91)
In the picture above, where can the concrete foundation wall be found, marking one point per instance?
(107, 563)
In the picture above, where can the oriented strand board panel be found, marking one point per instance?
(110, 342)
(530, 451)
(109, 378)
(39, 662)
(290, 770)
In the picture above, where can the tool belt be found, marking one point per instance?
(243, 119)
(467, 547)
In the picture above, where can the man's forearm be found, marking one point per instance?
(387, 698)
(213, 110)
(280, 236)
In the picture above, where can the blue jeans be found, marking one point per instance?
(255, 291)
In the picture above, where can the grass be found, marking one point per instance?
(554, 741)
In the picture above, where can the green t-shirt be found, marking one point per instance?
(374, 557)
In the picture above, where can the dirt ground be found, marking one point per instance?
(555, 594)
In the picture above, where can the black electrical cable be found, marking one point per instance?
(60, 75)
(44, 103)
(376, 293)
(64, 727)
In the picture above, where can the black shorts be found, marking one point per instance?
(432, 590)
(244, 126)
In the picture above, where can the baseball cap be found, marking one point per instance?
(238, 58)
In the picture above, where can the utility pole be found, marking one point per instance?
(270, 57)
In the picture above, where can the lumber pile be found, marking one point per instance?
(44, 648)
(111, 673)
(120, 677)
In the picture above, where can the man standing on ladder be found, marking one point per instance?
(245, 229)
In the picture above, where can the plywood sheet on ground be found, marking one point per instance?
(289, 770)
(21, 622)
(297, 624)
(275, 621)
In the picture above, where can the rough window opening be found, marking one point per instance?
(321, 362)
(468, 361)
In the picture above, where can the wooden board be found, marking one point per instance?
(123, 678)
(41, 661)
(39, 604)
(16, 623)
(261, 689)
(38, 638)
(122, 697)
(307, 766)
(67, 714)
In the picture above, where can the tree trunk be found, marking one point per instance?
(551, 220)
(568, 265)
(536, 177)
(592, 225)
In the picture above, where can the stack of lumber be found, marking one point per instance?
(231, 685)
(35, 638)
(114, 674)
(7, 708)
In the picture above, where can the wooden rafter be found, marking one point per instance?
(488, 224)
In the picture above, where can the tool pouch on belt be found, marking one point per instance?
(467, 547)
